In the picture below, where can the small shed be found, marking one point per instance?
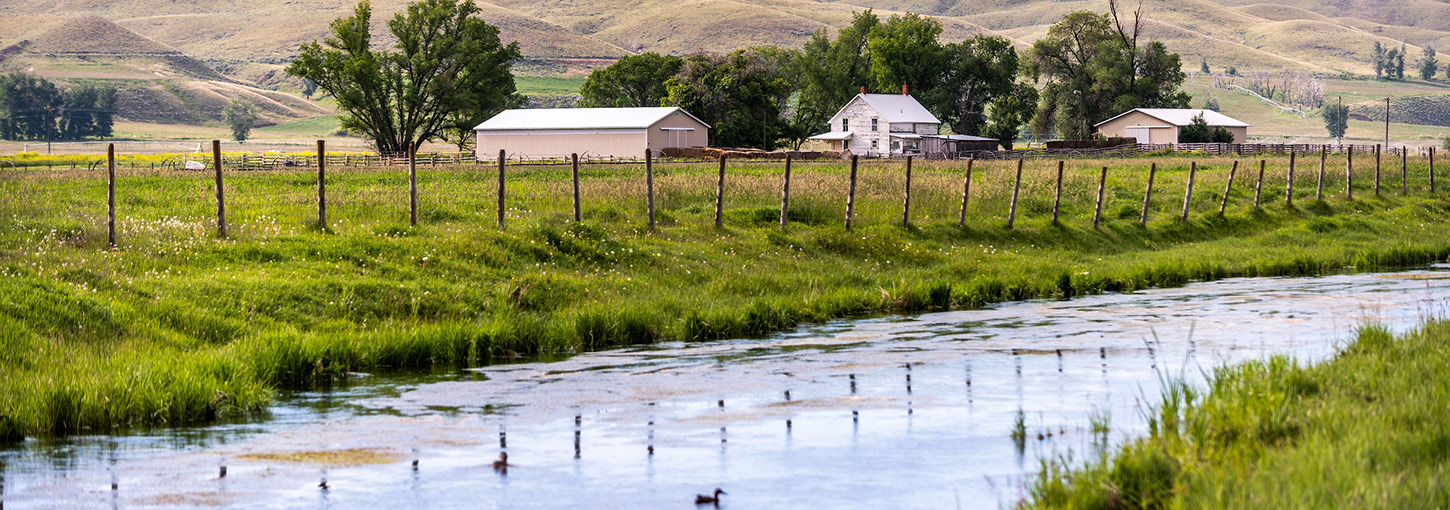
(1161, 125)
(559, 132)
(956, 144)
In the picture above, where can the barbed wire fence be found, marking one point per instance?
(156, 205)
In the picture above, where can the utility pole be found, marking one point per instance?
(1387, 122)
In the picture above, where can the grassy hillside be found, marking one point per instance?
(1305, 34)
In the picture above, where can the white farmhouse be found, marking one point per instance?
(881, 125)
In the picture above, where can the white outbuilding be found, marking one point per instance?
(589, 132)
(1162, 125)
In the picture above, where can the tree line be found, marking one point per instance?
(448, 71)
(1389, 63)
(33, 108)
(1089, 67)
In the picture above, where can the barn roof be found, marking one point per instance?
(580, 118)
(1184, 117)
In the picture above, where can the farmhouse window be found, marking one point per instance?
(873, 125)
(845, 124)
(873, 144)
(895, 145)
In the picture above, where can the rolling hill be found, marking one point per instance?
(177, 61)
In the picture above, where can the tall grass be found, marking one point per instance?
(1364, 429)
(206, 326)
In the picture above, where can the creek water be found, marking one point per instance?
(891, 412)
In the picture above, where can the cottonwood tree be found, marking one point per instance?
(1336, 120)
(743, 95)
(240, 115)
(447, 69)
(905, 51)
(33, 108)
(830, 72)
(1429, 65)
(974, 73)
(1094, 67)
(634, 80)
(1380, 58)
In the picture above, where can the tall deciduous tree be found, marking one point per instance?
(830, 72)
(743, 95)
(1336, 120)
(1094, 68)
(975, 72)
(1380, 57)
(905, 51)
(634, 80)
(447, 69)
(1429, 65)
(1007, 113)
(33, 108)
(240, 116)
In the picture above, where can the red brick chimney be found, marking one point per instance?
(863, 89)
(904, 91)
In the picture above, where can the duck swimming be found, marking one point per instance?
(701, 499)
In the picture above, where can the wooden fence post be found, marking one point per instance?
(1228, 188)
(1432, 169)
(1349, 174)
(1016, 185)
(1057, 193)
(574, 160)
(1289, 191)
(1148, 195)
(851, 194)
(321, 187)
(906, 204)
(1376, 170)
(785, 194)
(1323, 154)
(501, 159)
(221, 204)
(413, 184)
(1188, 191)
(1259, 188)
(720, 195)
(649, 184)
(1405, 171)
(111, 193)
(966, 194)
(1102, 190)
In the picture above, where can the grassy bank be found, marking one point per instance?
(1362, 430)
(178, 326)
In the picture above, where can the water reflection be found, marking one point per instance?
(930, 399)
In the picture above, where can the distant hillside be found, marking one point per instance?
(252, 40)
(178, 61)
(156, 82)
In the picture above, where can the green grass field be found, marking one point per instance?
(179, 326)
(1362, 430)
(547, 86)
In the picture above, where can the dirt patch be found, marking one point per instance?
(329, 458)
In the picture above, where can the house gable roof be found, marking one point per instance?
(1183, 117)
(580, 118)
(894, 108)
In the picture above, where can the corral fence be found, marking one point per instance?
(905, 191)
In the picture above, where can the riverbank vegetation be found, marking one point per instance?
(176, 325)
(1364, 429)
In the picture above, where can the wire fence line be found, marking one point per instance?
(159, 205)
